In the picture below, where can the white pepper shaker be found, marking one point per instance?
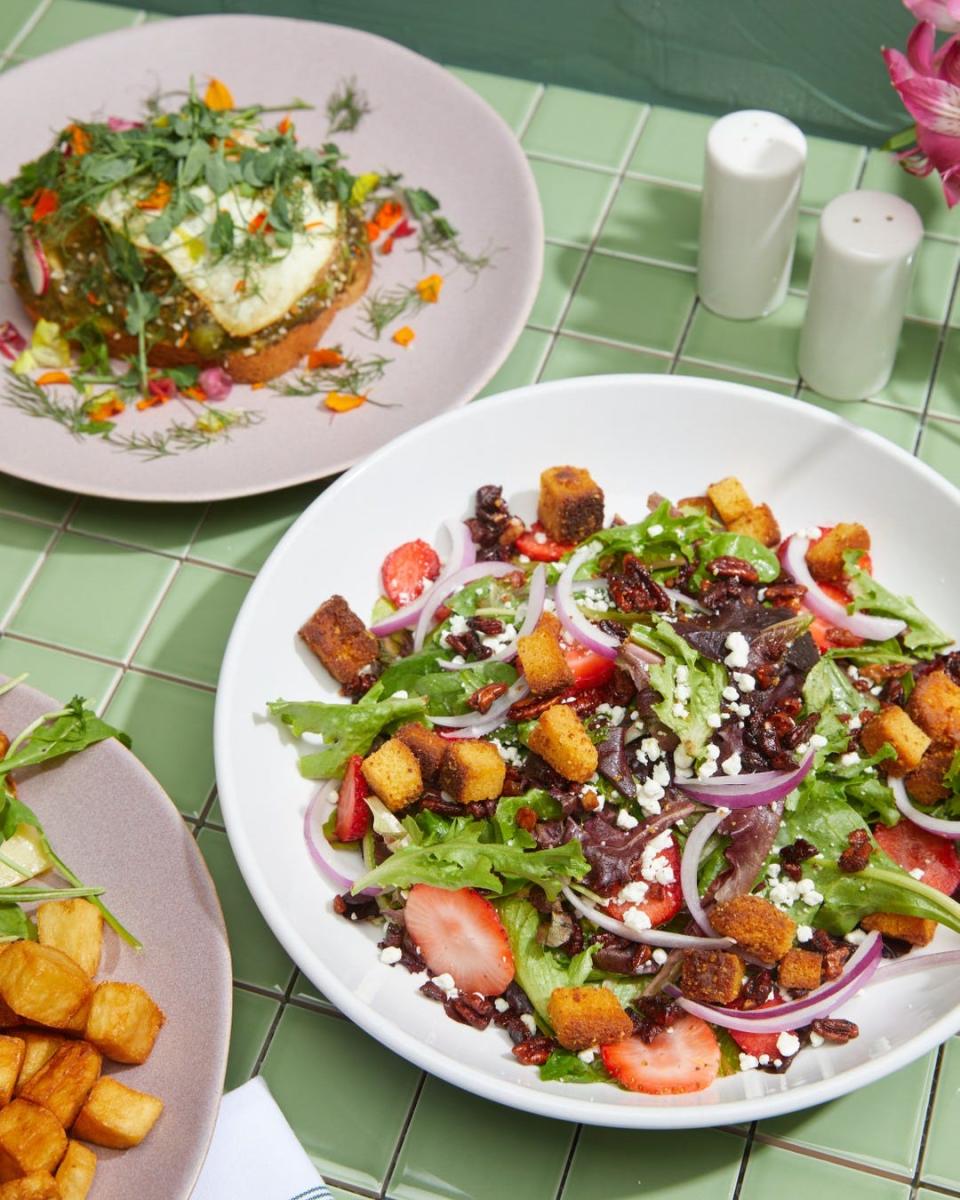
(859, 285)
(748, 223)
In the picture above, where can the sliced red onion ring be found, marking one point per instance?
(938, 825)
(494, 714)
(892, 968)
(572, 619)
(690, 864)
(820, 1003)
(535, 598)
(331, 861)
(877, 629)
(651, 937)
(742, 792)
(682, 600)
(462, 554)
(452, 583)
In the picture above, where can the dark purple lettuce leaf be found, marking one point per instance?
(752, 832)
(613, 764)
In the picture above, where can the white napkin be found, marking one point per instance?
(255, 1155)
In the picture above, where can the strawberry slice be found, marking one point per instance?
(407, 570)
(827, 636)
(663, 900)
(684, 1058)
(459, 933)
(535, 543)
(759, 1044)
(353, 816)
(589, 669)
(914, 849)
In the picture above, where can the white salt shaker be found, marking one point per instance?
(859, 285)
(748, 223)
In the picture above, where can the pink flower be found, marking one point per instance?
(945, 14)
(928, 82)
(216, 383)
(121, 125)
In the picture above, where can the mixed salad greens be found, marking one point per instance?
(627, 789)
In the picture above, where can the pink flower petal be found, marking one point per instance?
(945, 14)
(216, 383)
(951, 185)
(948, 62)
(932, 103)
(920, 47)
(898, 67)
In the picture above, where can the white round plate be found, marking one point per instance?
(422, 122)
(637, 435)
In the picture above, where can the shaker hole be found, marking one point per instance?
(856, 220)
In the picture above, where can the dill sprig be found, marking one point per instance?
(354, 376)
(212, 425)
(437, 239)
(28, 397)
(346, 107)
(385, 305)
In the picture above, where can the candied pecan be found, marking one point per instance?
(590, 800)
(834, 960)
(432, 992)
(857, 854)
(767, 675)
(614, 628)
(634, 589)
(657, 1013)
(716, 593)
(355, 908)
(835, 1029)
(793, 855)
(483, 697)
(411, 957)
(531, 708)
(756, 989)
(435, 803)
(840, 638)
(468, 1009)
(468, 643)
(488, 625)
(862, 685)
(893, 692)
(359, 685)
(802, 732)
(785, 595)
(511, 531)
(533, 1051)
(781, 723)
(512, 782)
(526, 818)
(729, 567)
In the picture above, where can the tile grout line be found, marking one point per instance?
(744, 1161)
(17, 603)
(832, 1156)
(581, 270)
(28, 27)
(682, 341)
(568, 1165)
(935, 367)
(531, 112)
(622, 255)
(928, 1116)
(271, 1032)
(401, 1137)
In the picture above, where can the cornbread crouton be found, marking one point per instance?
(542, 661)
(393, 773)
(571, 504)
(729, 497)
(825, 558)
(65, 1082)
(711, 976)
(115, 1115)
(756, 925)
(75, 1174)
(892, 725)
(925, 783)
(800, 970)
(12, 1050)
(918, 931)
(472, 771)
(31, 1139)
(587, 1016)
(42, 983)
(428, 748)
(75, 927)
(341, 641)
(38, 1185)
(123, 1022)
(551, 623)
(935, 706)
(38, 1049)
(560, 738)
(758, 523)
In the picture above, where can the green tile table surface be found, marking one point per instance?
(153, 592)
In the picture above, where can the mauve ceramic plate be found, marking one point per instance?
(423, 122)
(114, 825)
(637, 434)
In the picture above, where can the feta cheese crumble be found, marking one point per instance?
(788, 1044)
(739, 649)
(625, 820)
(391, 955)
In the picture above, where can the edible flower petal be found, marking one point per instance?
(49, 378)
(105, 406)
(158, 199)
(404, 336)
(218, 96)
(79, 140)
(341, 402)
(47, 349)
(324, 357)
(45, 203)
(363, 185)
(216, 383)
(122, 125)
(428, 289)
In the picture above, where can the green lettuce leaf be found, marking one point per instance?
(446, 692)
(563, 1066)
(705, 679)
(737, 545)
(922, 635)
(505, 818)
(539, 970)
(829, 690)
(858, 785)
(346, 729)
(885, 653)
(671, 544)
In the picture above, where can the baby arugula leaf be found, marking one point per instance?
(57, 734)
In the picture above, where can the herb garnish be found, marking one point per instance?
(346, 107)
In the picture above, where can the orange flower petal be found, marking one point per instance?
(158, 199)
(389, 213)
(48, 378)
(341, 402)
(404, 336)
(79, 139)
(373, 231)
(218, 96)
(428, 289)
(324, 358)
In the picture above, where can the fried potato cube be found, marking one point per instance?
(729, 497)
(712, 976)
(918, 931)
(31, 1139)
(924, 783)
(542, 661)
(758, 523)
(124, 1022)
(756, 925)
(428, 748)
(12, 1051)
(825, 557)
(75, 1174)
(472, 771)
(43, 984)
(76, 1171)
(393, 773)
(890, 725)
(65, 1082)
(115, 1115)
(935, 706)
(560, 738)
(587, 1016)
(38, 1049)
(800, 970)
(341, 641)
(570, 507)
(75, 927)
(39, 1185)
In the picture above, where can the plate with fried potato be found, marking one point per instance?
(115, 982)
